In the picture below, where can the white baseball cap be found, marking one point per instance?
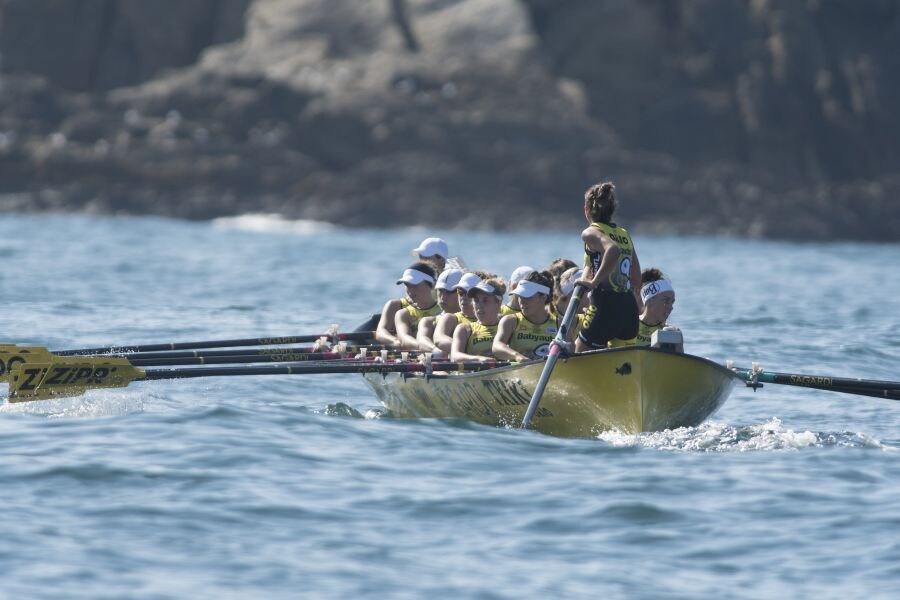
(448, 279)
(567, 284)
(414, 277)
(486, 287)
(432, 247)
(527, 289)
(518, 275)
(467, 282)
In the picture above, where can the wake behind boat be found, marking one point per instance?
(631, 389)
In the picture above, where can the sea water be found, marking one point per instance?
(266, 487)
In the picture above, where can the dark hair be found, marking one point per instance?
(546, 279)
(651, 274)
(560, 266)
(600, 200)
(424, 267)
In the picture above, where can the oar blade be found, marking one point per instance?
(62, 378)
(11, 356)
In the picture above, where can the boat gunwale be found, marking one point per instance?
(603, 351)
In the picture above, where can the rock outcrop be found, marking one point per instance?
(757, 118)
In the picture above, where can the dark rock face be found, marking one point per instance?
(90, 45)
(759, 118)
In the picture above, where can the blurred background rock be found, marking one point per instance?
(750, 117)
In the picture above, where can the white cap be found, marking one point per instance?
(518, 275)
(527, 289)
(448, 279)
(568, 286)
(484, 286)
(432, 247)
(412, 276)
(467, 282)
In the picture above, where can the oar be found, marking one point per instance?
(240, 352)
(556, 347)
(74, 376)
(862, 387)
(358, 336)
(287, 356)
(10, 356)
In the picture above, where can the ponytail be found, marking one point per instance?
(600, 200)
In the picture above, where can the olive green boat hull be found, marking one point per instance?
(631, 390)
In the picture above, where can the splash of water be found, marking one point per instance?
(721, 437)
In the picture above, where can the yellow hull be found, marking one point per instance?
(630, 389)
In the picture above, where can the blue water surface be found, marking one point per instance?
(262, 487)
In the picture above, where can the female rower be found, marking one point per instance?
(449, 303)
(562, 294)
(560, 266)
(513, 305)
(474, 341)
(659, 300)
(417, 273)
(447, 323)
(527, 334)
(433, 251)
(420, 293)
(613, 273)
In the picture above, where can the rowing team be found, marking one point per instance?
(462, 315)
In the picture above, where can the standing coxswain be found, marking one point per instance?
(613, 273)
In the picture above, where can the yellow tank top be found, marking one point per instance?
(620, 277)
(506, 309)
(462, 319)
(481, 340)
(577, 325)
(645, 332)
(532, 339)
(420, 313)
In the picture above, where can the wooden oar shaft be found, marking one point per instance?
(359, 336)
(555, 349)
(236, 359)
(863, 387)
(239, 352)
(301, 369)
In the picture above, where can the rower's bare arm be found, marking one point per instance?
(403, 322)
(635, 277)
(443, 333)
(460, 339)
(385, 332)
(501, 347)
(425, 334)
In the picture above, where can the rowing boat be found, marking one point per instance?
(630, 389)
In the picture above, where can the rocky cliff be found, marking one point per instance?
(748, 117)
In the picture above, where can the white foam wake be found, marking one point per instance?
(721, 437)
(271, 223)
